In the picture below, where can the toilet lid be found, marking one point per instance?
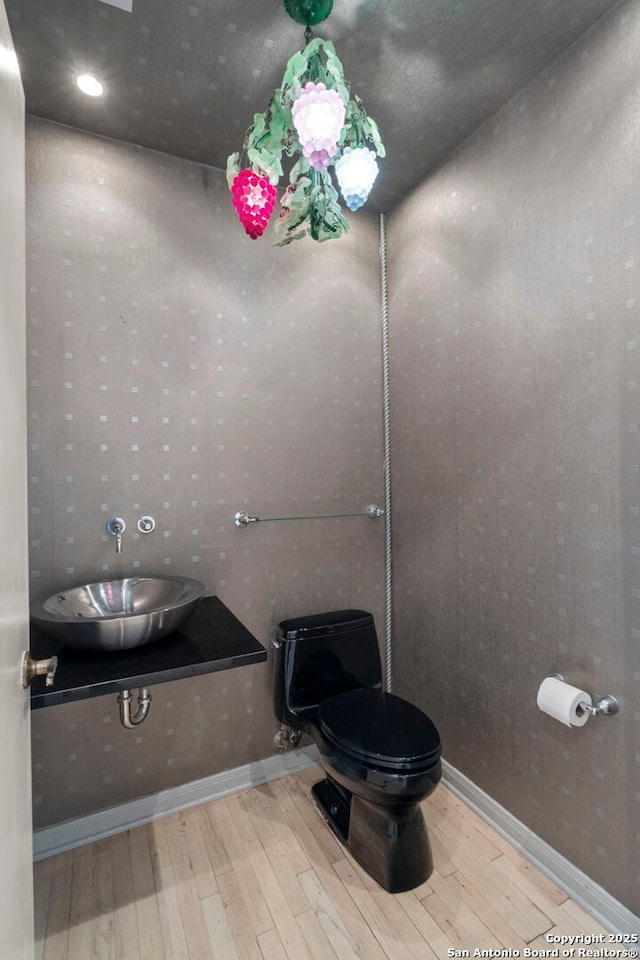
(379, 726)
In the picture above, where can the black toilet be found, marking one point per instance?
(381, 754)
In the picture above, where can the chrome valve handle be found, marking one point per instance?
(33, 668)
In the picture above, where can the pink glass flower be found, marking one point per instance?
(318, 115)
(254, 199)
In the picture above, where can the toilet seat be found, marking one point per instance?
(380, 729)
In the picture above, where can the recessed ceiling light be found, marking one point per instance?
(90, 85)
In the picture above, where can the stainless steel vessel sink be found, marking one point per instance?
(114, 615)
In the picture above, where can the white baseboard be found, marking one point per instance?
(104, 823)
(614, 916)
(609, 912)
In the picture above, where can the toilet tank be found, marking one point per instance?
(320, 656)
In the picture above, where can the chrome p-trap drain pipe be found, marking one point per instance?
(125, 698)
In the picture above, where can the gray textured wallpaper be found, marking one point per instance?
(177, 368)
(514, 303)
(181, 370)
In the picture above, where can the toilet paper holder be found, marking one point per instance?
(606, 706)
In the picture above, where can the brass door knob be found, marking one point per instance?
(32, 668)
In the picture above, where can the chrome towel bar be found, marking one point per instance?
(242, 518)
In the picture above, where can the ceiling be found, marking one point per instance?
(186, 76)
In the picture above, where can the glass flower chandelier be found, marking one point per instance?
(311, 114)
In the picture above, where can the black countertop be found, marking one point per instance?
(211, 639)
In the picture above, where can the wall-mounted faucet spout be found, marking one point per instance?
(116, 527)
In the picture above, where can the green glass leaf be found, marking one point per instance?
(295, 69)
(233, 168)
(343, 90)
(290, 237)
(315, 46)
(278, 120)
(334, 66)
(328, 48)
(375, 138)
(259, 126)
(326, 219)
(334, 79)
(269, 135)
(295, 227)
(353, 110)
(292, 145)
(266, 163)
(299, 199)
(299, 169)
(294, 206)
(351, 133)
(359, 128)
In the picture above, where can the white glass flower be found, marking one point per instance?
(356, 171)
(318, 116)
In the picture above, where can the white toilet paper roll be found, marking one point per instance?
(562, 702)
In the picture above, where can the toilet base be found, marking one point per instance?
(390, 843)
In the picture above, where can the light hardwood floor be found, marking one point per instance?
(259, 876)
